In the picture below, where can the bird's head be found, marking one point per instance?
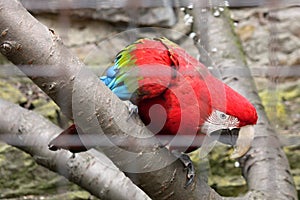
(231, 119)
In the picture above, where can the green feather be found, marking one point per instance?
(126, 66)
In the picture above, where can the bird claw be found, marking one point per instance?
(188, 165)
(132, 109)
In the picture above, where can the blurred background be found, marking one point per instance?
(269, 36)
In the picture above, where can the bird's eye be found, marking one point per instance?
(219, 120)
(223, 116)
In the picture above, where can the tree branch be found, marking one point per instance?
(265, 166)
(40, 54)
(31, 133)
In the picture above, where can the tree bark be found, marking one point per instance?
(41, 55)
(265, 166)
(31, 133)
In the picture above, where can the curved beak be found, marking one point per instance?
(243, 142)
(240, 138)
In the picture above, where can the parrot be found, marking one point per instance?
(177, 98)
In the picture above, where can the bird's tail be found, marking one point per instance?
(69, 140)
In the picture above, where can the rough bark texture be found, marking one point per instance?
(265, 166)
(40, 54)
(91, 170)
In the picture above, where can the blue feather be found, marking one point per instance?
(110, 78)
(122, 92)
(118, 87)
(106, 80)
(112, 71)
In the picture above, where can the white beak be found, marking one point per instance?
(243, 142)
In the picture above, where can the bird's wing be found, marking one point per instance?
(141, 70)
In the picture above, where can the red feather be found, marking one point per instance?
(169, 77)
(191, 94)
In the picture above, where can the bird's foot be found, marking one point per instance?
(132, 109)
(188, 165)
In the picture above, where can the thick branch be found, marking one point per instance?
(265, 166)
(40, 54)
(31, 133)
